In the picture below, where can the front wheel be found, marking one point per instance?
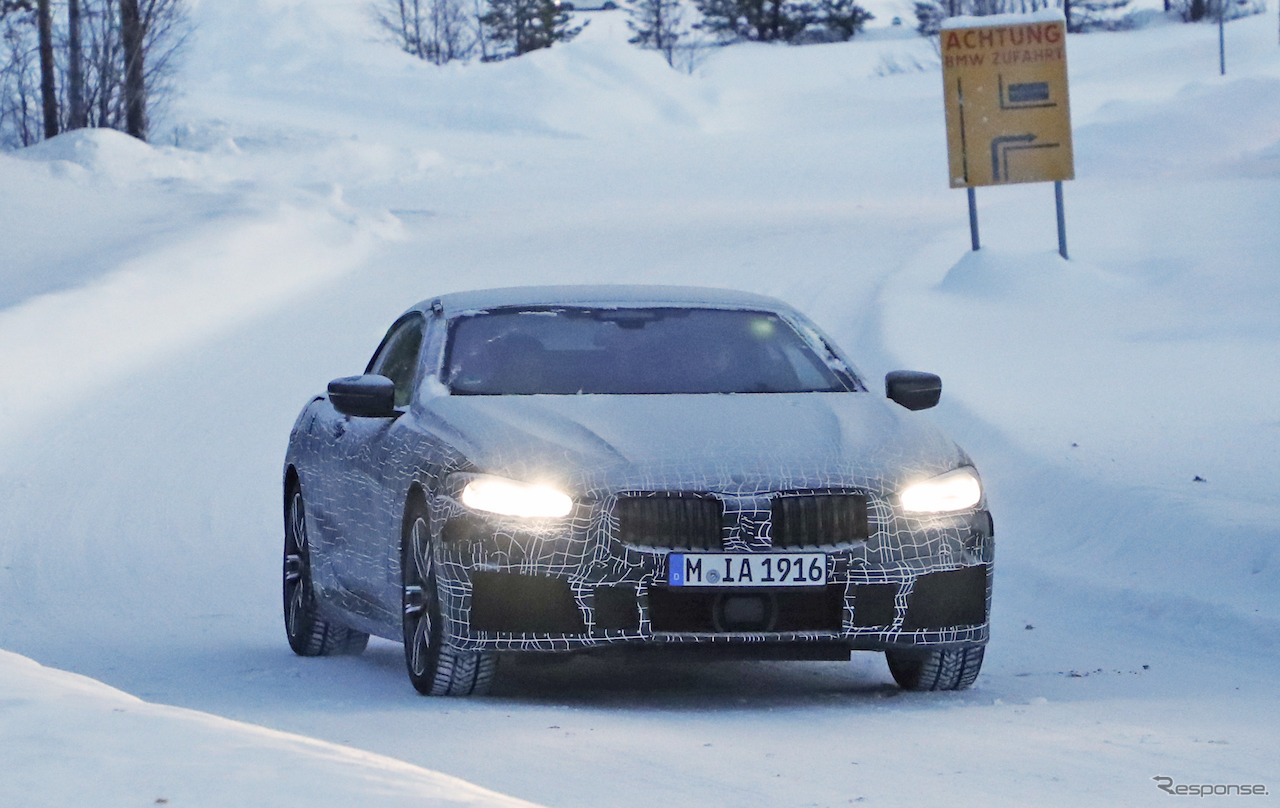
(436, 668)
(308, 633)
(939, 669)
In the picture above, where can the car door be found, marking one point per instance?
(371, 452)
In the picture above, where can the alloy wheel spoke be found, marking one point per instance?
(295, 609)
(420, 644)
(419, 537)
(297, 536)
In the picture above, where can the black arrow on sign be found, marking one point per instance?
(998, 143)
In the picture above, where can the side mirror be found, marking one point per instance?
(913, 389)
(364, 396)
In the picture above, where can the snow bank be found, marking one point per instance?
(99, 274)
(69, 740)
(106, 154)
(1148, 447)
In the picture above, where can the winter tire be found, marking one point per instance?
(435, 667)
(308, 634)
(941, 669)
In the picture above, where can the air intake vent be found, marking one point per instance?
(672, 521)
(819, 520)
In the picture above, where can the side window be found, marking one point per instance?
(397, 359)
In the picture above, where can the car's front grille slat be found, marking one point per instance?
(693, 521)
(818, 520)
(675, 521)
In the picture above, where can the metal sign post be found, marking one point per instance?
(973, 219)
(1062, 219)
(1007, 107)
(1222, 38)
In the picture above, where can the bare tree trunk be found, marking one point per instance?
(48, 92)
(78, 114)
(135, 90)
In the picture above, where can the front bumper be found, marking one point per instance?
(572, 585)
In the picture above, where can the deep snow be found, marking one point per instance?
(168, 308)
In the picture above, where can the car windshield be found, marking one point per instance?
(566, 351)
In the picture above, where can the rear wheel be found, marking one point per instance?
(435, 667)
(308, 634)
(939, 669)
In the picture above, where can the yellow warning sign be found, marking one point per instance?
(1008, 113)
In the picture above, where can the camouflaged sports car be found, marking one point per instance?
(569, 469)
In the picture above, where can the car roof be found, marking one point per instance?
(599, 295)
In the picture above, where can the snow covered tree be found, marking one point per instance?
(929, 17)
(1197, 10)
(517, 27)
(794, 21)
(842, 18)
(657, 24)
(754, 20)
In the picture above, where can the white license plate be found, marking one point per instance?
(747, 569)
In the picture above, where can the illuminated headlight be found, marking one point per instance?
(511, 498)
(954, 491)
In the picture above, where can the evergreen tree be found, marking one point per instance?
(753, 20)
(657, 24)
(842, 18)
(794, 21)
(929, 17)
(517, 27)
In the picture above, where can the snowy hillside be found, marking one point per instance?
(166, 309)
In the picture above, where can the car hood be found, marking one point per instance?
(732, 444)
